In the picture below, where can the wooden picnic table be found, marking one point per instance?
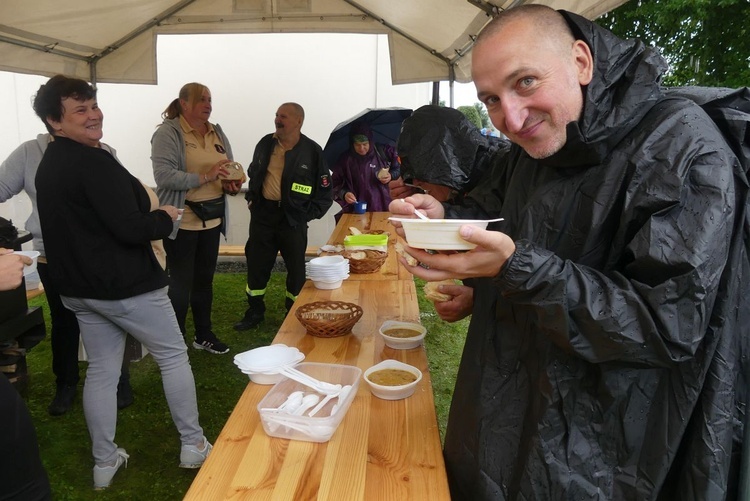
(381, 450)
(372, 221)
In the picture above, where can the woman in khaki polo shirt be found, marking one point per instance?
(188, 155)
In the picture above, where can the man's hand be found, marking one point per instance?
(485, 260)
(460, 304)
(399, 190)
(11, 269)
(406, 207)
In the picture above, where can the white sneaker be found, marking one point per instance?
(103, 474)
(193, 457)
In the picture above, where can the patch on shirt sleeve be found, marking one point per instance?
(325, 181)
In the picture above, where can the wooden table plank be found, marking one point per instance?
(382, 449)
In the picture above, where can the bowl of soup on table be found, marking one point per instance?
(392, 380)
(402, 335)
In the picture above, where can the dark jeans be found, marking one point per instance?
(191, 263)
(64, 333)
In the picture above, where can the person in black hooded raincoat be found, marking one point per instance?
(442, 152)
(610, 310)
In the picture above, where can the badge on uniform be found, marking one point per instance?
(325, 180)
(220, 148)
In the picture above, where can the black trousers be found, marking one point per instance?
(191, 263)
(22, 475)
(63, 335)
(270, 233)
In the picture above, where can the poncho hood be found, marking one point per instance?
(625, 86)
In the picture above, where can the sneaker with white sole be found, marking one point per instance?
(211, 344)
(193, 457)
(103, 474)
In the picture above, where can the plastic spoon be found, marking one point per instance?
(293, 400)
(323, 402)
(309, 381)
(342, 396)
(307, 402)
(418, 214)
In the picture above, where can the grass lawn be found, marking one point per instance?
(145, 429)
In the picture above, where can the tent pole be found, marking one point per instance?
(435, 93)
(92, 74)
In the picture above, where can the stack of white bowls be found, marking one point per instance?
(327, 272)
(262, 364)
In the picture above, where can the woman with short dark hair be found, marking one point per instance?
(98, 226)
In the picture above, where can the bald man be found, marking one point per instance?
(603, 353)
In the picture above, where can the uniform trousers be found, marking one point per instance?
(269, 234)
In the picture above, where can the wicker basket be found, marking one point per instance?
(328, 318)
(371, 263)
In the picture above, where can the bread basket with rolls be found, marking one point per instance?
(328, 318)
(365, 261)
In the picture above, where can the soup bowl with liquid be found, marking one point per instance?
(392, 380)
(402, 335)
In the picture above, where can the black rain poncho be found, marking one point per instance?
(441, 146)
(602, 362)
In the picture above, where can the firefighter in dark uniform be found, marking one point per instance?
(290, 184)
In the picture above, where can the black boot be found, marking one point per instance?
(254, 315)
(64, 397)
(124, 391)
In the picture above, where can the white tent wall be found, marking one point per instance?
(249, 77)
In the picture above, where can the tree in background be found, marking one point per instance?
(707, 42)
(483, 116)
(471, 113)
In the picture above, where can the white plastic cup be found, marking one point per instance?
(29, 268)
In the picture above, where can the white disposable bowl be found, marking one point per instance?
(402, 343)
(263, 378)
(438, 234)
(325, 285)
(393, 392)
(327, 261)
(262, 364)
(29, 268)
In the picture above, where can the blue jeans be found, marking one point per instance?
(151, 320)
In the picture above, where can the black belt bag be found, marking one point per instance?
(207, 209)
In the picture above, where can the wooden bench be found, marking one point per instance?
(239, 251)
(31, 294)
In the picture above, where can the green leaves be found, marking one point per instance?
(705, 41)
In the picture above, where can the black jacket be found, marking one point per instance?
(305, 183)
(97, 224)
(602, 362)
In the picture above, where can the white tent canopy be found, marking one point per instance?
(114, 41)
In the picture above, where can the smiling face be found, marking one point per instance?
(361, 148)
(198, 109)
(531, 84)
(81, 121)
(288, 121)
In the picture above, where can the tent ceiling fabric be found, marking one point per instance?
(429, 40)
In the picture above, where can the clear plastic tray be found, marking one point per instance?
(322, 426)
